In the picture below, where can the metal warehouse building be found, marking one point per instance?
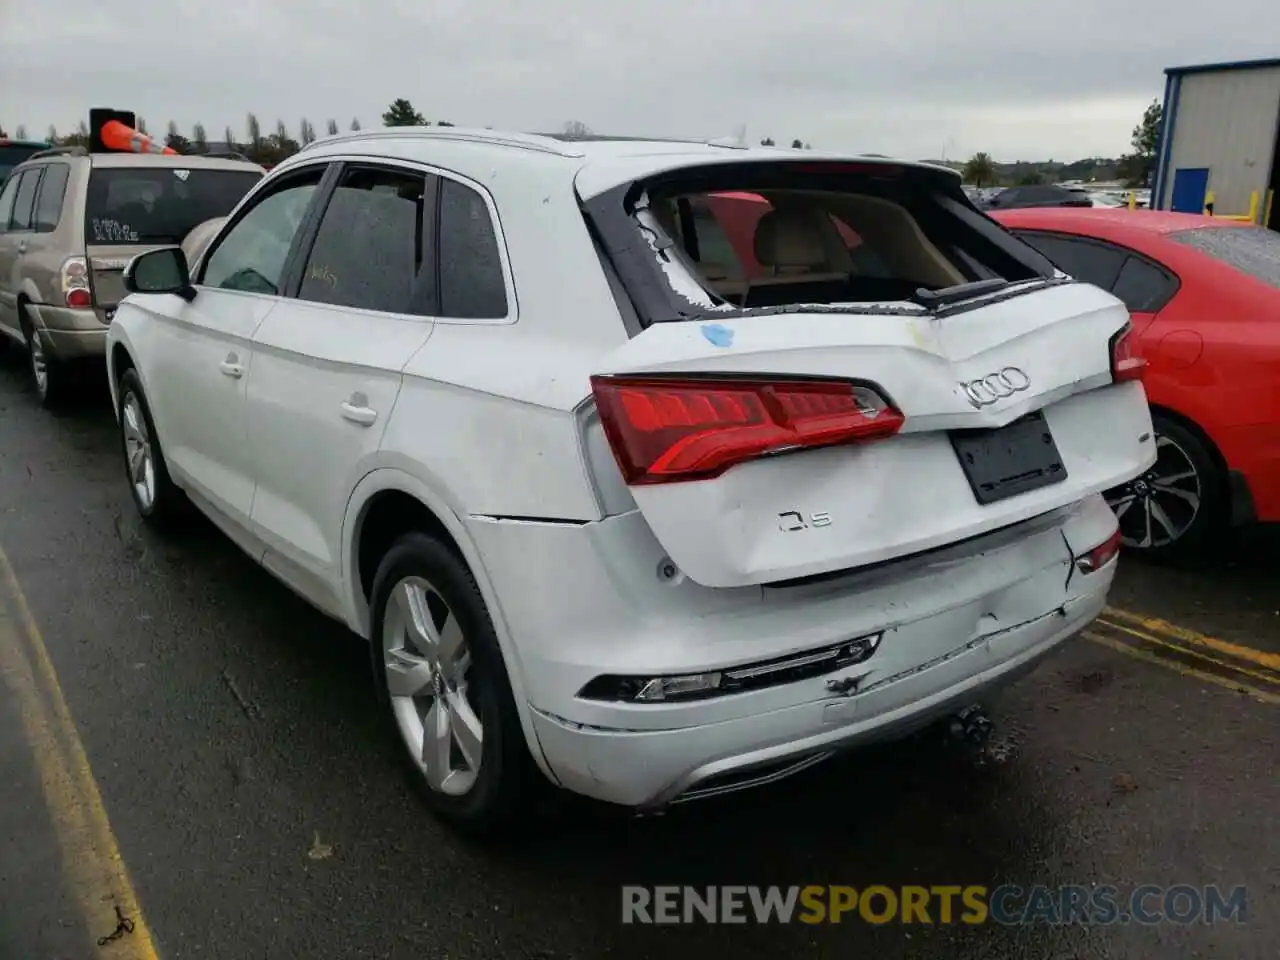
(1221, 138)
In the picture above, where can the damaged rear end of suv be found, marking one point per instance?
(849, 461)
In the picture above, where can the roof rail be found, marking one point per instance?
(72, 151)
(224, 155)
(524, 141)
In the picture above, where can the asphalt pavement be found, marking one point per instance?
(241, 794)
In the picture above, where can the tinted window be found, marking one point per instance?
(6, 203)
(24, 200)
(368, 252)
(49, 202)
(471, 280)
(12, 154)
(1143, 287)
(1087, 260)
(159, 204)
(251, 255)
(1251, 250)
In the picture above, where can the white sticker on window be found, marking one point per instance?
(182, 174)
(106, 230)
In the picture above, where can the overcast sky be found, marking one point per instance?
(917, 78)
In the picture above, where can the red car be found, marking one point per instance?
(1204, 294)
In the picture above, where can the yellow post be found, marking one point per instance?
(1253, 207)
(1133, 200)
(1208, 202)
(1266, 210)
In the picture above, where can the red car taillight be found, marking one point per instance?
(1099, 556)
(663, 430)
(1126, 362)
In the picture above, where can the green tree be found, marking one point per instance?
(142, 126)
(1136, 167)
(443, 123)
(254, 129)
(229, 139)
(52, 135)
(576, 129)
(78, 139)
(3, 135)
(20, 133)
(199, 140)
(175, 140)
(767, 142)
(797, 144)
(306, 132)
(1032, 178)
(402, 114)
(332, 128)
(980, 171)
(355, 123)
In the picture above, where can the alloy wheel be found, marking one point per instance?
(137, 450)
(428, 675)
(1159, 507)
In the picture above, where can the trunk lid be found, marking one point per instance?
(814, 511)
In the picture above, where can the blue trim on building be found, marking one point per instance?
(1226, 65)
(1164, 153)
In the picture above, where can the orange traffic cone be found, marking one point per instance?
(116, 136)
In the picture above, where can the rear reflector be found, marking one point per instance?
(664, 430)
(1126, 362)
(1099, 556)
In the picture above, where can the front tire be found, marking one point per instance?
(1178, 509)
(157, 497)
(440, 675)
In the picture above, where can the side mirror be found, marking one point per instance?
(160, 271)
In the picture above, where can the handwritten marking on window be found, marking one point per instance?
(324, 275)
(106, 230)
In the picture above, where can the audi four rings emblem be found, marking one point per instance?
(995, 386)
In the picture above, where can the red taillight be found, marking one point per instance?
(663, 430)
(79, 297)
(1126, 362)
(1099, 556)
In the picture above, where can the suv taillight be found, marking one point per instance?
(1126, 363)
(664, 430)
(75, 282)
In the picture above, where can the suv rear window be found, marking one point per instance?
(159, 204)
(1251, 250)
(788, 233)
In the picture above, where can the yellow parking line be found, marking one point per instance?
(1155, 625)
(1192, 652)
(1139, 654)
(94, 868)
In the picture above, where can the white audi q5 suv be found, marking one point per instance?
(650, 469)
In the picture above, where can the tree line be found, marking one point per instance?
(1133, 168)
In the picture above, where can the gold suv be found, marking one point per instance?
(71, 220)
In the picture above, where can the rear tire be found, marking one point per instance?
(49, 376)
(440, 676)
(1178, 510)
(159, 500)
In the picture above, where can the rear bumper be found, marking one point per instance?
(71, 333)
(578, 602)
(654, 768)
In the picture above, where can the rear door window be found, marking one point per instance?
(369, 249)
(159, 205)
(1251, 250)
(1087, 260)
(49, 202)
(472, 284)
(1144, 287)
(24, 200)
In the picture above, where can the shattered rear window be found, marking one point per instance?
(1251, 250)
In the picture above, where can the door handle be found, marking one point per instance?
(231, 368)
(365, 416)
